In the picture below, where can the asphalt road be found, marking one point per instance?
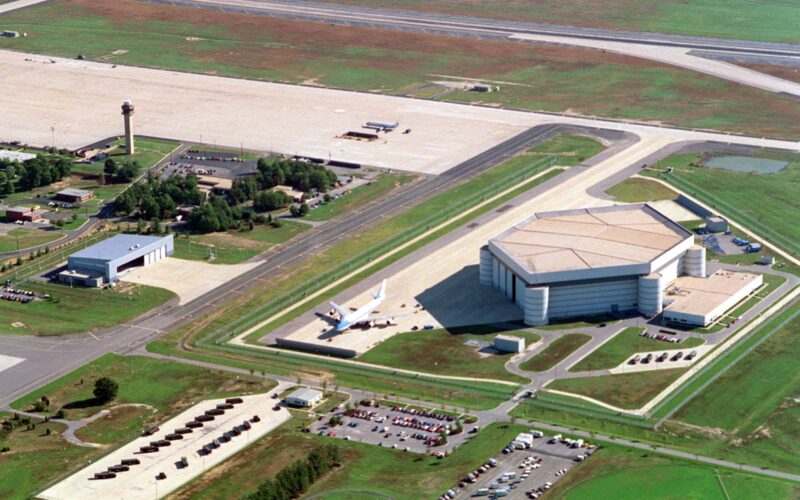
(430, 22)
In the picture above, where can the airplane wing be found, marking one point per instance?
(341, 310)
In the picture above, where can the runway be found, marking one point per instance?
(683, 51)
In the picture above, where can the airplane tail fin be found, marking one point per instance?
(381, 293)
(341, 310)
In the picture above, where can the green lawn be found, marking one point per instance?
(75, 223)
(233, 247)
(21, 238)
(637, 190)
(360, 196)
(623, 345)
(75, 310)
(628, 391)
(443, 352)
(623, 473)
(555, 352)
(733, 193)
(148, 153)
(37, 460)
(754, 390)
(547, 78)
(768, 21)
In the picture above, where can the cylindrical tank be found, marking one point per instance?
(485, 272)
(536, 305)
(694, 263)
(651, 296)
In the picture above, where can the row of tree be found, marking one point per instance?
(302, 176)
(121, 173)
(33, 173)
(294, 480)
(159, 198)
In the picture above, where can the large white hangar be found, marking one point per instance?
(106, 261)
(594, 261)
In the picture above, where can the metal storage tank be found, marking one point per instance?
(536, 305)
(651, 294)
(485, 273)
(694, 264)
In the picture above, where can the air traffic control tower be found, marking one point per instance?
(127, 112)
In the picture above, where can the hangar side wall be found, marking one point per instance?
(586, 299)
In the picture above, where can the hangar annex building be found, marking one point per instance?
(106, 261)
(608, 260)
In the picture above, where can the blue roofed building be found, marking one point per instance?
(106, 261)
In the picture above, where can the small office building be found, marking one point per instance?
(304, 398)
(111, 258)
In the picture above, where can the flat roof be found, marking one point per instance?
(701, 296)
(19, 209)
(74, 192)
(512, 338)
(18, 156)
(305, 394)
(116, 247)
(590, 238)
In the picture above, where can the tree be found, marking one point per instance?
(267, 201)
(129, 171)
(125, 203)
(105, 390)
(110, 167)
(149, 208)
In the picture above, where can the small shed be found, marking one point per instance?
(716, 224)
(509, 343)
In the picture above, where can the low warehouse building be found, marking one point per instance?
(71, 195)
(112, 257)
(304, 398)
(701, 301)
(509, 343)
(24, 214)
(590, 262)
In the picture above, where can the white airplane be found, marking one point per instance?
(348, 319)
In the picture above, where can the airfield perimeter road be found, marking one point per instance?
(49, 358)
(695, 53)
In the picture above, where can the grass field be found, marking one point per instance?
(443, 352)
(233, 247)
(622, 346)
(756, 389)
(141, 380)
(770, 21)
(766, 203)
(360, 196)
(148, 153)
(637, 190)
(37, 459)
(75, 310)
(555, 352)
(548, 78)
(622, 473)
(628, 391)
(22, 238)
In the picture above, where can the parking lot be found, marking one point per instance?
(523, 473)
(402, 428)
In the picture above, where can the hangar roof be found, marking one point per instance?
(117, 247)
(702, 296)
(590, 238)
